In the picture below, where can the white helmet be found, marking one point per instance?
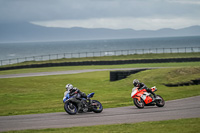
(69, 87)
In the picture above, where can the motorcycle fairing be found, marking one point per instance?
(67, 96)
(138, 97)
(154, 89)
(146, 98)
(90, 95)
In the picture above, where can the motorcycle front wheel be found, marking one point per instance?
(70, 108)
(139, 104)
(96, 106)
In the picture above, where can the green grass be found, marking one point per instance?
(29, 95)
(109, 58)
(65, 68)
(167, 126)
(44, 94)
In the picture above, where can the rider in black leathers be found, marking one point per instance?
(78, 95)
(141, 86)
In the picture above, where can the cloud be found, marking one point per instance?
(115, 14)
(194, 2)
(122, 23)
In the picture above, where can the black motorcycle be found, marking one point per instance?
(87, 105)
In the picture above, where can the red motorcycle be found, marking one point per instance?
(143, 98)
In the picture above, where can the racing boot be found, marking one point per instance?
(154, 97)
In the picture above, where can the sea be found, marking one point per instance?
(28, 49)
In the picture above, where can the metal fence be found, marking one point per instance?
(100, 53)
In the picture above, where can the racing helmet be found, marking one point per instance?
(69, 87)
(136, 82)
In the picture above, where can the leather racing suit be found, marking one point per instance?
(78, 95)
(143, 86)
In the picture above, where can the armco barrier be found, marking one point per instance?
(115, 62)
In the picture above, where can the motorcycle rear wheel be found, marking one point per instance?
(70, 108)
(160, 103)
(139, 104)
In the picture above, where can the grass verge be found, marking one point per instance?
(66, 68)
(30, 95)
(169, 126)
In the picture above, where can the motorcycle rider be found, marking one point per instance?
(78, 95)
(141, 86)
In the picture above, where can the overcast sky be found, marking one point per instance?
(113, 14)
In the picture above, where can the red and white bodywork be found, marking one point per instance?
(142, 98)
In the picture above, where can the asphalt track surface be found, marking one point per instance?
(67, 72)
(175, 109)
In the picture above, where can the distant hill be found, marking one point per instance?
(18, 32)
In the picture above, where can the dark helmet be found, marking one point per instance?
(136, 82)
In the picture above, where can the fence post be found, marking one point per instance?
(102, 53)
(192, 50)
